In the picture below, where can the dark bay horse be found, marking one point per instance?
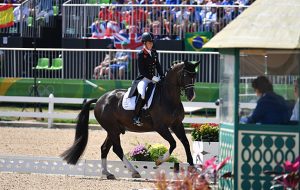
(166, 112)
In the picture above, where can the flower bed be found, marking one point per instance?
(149, 153)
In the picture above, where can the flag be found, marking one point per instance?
(6, 16)
(195, 41)
(134, 40)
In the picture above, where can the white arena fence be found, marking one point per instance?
(81, 63)
(50, 114)
(54, 165)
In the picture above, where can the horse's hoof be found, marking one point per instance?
(110, 176)
(136, 175)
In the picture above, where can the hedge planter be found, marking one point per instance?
(203, 151)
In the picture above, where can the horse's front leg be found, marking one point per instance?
(180, 133)
(166, 134)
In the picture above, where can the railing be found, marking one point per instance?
(82, 63)
(51, 101)
(164, 21)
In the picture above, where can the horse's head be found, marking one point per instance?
(187, 78)
(183, 76)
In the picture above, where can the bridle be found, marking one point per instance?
(186, 86)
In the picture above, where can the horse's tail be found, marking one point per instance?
(72, 155)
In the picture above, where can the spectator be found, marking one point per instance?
(271, 108)
(195, 20)
(44, 10)
(121, 62)
(182, 20)
(103, 13)
(210, 19)
(236, 12)
(98, 29)
(295, 113)
(103, 68)
(21, 12)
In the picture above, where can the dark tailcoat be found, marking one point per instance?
(270, 109)
(147, 64)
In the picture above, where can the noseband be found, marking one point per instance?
(187, 86)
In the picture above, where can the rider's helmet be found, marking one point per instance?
(147, 37)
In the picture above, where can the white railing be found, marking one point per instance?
(83, 63)
(51, 114)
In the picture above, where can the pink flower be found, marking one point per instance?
(223, 163)
(210, 163)
(292, 166)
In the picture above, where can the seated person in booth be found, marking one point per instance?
(120, 62)
(295, 115)
(271, 108)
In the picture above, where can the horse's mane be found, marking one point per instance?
(176, 67)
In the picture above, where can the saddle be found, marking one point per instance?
(129, 103)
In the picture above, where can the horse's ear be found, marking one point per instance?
(196, 64)
(186, 62)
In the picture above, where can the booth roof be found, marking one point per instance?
(267, 24)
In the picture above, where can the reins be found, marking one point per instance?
(182, 86)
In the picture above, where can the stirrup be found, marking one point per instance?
(137, 121)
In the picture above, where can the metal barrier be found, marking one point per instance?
(50, 114)
(82, 63)
(54, 165)
(164, 21)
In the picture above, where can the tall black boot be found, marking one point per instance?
(138, 108)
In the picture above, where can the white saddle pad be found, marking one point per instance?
(129, 103)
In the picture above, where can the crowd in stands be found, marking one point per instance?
(166, 21)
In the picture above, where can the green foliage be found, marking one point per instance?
(207, 132)
(149, 153)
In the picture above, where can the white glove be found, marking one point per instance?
(155, 79)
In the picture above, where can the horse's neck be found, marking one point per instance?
(171, 92)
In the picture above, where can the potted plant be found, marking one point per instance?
(205, 138)
(149, 153)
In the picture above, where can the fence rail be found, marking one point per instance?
(51, 114)
(83, 63)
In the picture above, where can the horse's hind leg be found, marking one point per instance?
(119, 151)
(104, 151)
(180, 133)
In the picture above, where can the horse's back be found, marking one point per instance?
(109, 107)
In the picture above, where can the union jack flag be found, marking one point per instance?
(134, 40)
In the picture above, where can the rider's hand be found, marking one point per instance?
(155, 79)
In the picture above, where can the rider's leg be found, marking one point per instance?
(137, 112)
(141, 87)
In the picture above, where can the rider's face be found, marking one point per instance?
(149, 45)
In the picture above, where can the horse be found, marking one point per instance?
(166, 112)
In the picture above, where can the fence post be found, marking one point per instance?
(218, 113)
(50, 110)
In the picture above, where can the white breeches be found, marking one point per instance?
(142, 85)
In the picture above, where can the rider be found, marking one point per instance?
(147, 62)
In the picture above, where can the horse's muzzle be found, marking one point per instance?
(190, 94)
